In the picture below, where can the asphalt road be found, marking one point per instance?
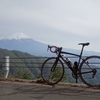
(27, 91)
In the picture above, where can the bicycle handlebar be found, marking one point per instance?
(54, 49)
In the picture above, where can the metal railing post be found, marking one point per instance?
(6, 66)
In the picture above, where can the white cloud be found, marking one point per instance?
(42, 19)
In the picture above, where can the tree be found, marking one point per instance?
(57, 73)
(27, 75)
(1, 74)
(19, 74)
(24, 75)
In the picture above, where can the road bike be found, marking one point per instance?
(85, 68)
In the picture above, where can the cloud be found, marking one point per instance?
(52, 21)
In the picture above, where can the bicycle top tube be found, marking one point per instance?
(55, 49)
(63, 52)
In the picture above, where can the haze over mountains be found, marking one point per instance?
(22, 42)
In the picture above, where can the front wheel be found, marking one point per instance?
(52, 71)
(90, 71)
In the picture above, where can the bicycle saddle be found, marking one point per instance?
(84, 44)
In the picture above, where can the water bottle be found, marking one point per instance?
(69, 62)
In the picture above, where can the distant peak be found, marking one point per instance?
(18, 36)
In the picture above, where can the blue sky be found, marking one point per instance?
(58, 22)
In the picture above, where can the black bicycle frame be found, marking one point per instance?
(59, 52)
(79, 56)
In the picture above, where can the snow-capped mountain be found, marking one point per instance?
(18, 36)
(22, 42)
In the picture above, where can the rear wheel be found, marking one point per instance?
(90, 71)
(52, 71)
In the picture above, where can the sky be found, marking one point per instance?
(62, 23)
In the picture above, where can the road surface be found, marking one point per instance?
(27, 91)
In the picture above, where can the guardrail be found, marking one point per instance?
(24, 68)
(15, 65)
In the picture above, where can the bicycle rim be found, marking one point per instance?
(52, 75)
(90, 71)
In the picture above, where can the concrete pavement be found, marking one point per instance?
(27, 91)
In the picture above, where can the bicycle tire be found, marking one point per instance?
(52, 77)
(91, 79)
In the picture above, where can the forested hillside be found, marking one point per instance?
(22, 63)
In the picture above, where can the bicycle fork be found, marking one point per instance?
(54, 65)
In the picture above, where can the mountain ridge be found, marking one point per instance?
(26, 44)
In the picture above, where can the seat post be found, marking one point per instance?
(82, 50)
